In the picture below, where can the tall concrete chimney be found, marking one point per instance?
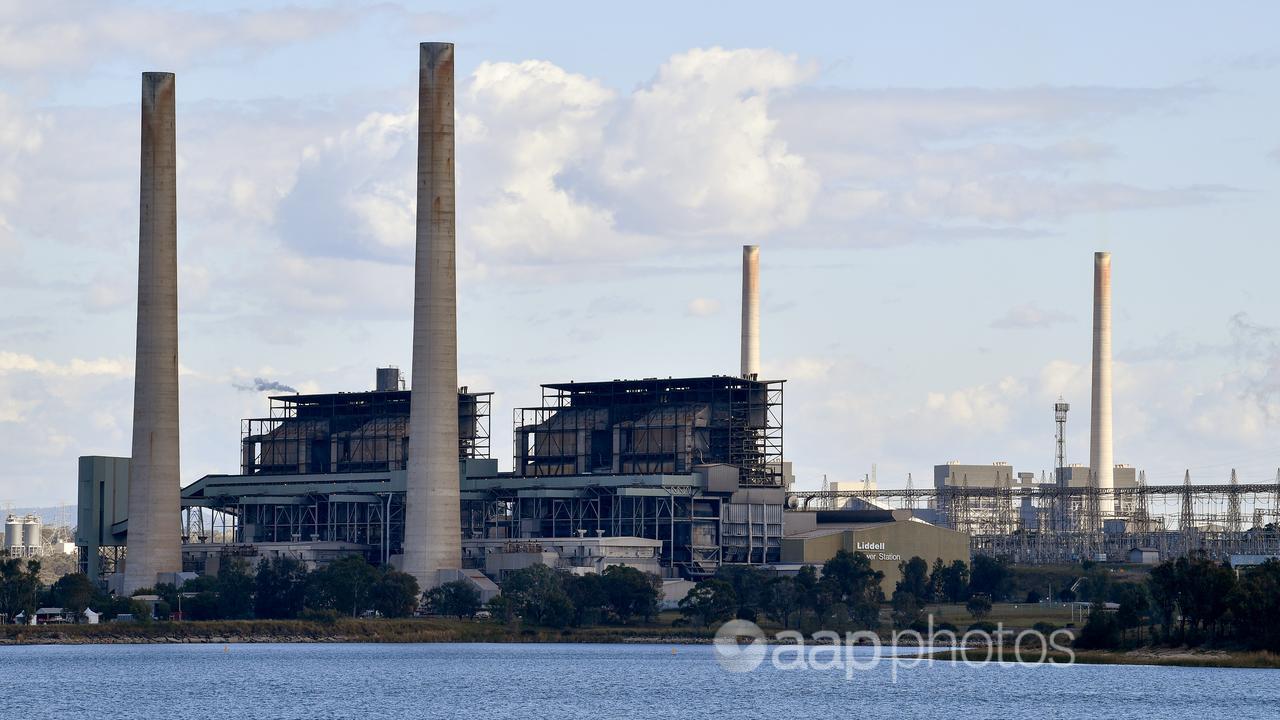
(1101, 460)
(154, 541)
(433, 533)
(750, 310)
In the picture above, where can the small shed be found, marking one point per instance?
(1144, 556)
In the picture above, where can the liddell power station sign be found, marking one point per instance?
(875, 551)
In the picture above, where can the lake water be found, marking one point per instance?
(583, 681)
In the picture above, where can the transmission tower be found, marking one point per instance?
(1093, 513)
(1143, 511)
(1186, 520)
(1233, 504)
(1275, 506)
(911, 499)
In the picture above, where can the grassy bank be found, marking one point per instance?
(429, 630)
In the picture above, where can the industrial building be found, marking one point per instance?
(682, 474)
(887, 537)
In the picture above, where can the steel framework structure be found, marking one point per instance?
(1061, 523)
(653, 426)
(349, 432)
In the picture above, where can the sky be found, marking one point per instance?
(928, 183)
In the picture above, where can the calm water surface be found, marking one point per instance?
(582, 681)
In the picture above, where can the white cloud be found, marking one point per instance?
(1028, 315)
(696, 152)
(805, 369)
(559, 167)
(984, 408)
(21, 135)
(702, 307)
(74, 34)
(13, 363)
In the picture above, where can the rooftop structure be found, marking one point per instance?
(349, 432)
(654, 426)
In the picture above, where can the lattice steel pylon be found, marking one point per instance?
(1233, 504)
(1275, 508)
(1093, 509)
(1142, 510)
(1186, 519)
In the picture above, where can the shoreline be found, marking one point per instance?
(440, 630)
(346, 630)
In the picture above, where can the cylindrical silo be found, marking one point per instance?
(13, 535)
(31, 527)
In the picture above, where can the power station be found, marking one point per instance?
(678, 476)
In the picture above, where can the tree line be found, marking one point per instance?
(846, 595)
(539, 595)
(279, 588)
(1191, 601)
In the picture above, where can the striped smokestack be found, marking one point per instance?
(154, 541)
(1101, 460)
(433, 533)
(750, 310)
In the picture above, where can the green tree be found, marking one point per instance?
(19, 587)
(1100, 631)
(1166, 584)
(235, 590)
(394, 594)
(342, 585)
(537, 594)
(990, 576)
(1255, 605)
(115, 606)
(710, 601)
(280, 588)
(780, 599)
(937, 576)
(457, 598)
(631, 592)
(74, 593)
(1134, 606)
(915, 580)
(1208, 587)
(955, 581)
(589, 596)
(748, 582)
(906, 608)
(856, 585)
(807, 586)
(979, 606)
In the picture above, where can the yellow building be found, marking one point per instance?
(886, 537)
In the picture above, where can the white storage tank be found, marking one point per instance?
(13, 535)
(31, 527)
